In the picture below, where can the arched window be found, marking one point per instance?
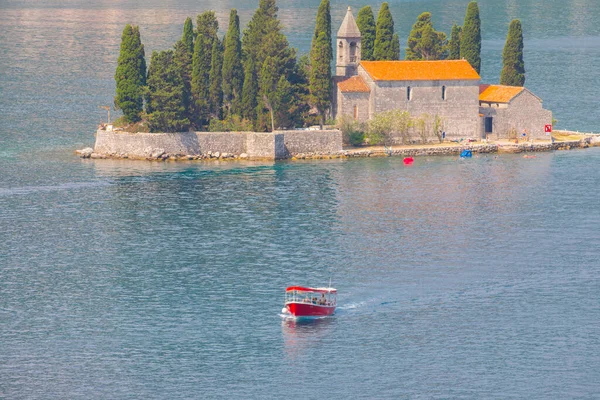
(355, 112)
(408, 93)
(443, 92)
(341, 50)
(352, 52)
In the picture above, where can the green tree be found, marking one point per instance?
(300, 103)
(268, 87)
(165, 94)
(320, 60)
(130, 75)
(395, 47)
(183, 60)
(320, 77)
(513, 70)
(384, 37)
(424, 42)
(249, 91)
(215, 91)
(366, 23)
(206, 32)
(454, 43)
(188, 35)
(263, 38)
(283, 99)
(470, 41)
(323, 24)
(233, 72)
(184, 51)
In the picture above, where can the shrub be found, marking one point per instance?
(383, 125)
(357, 138)
(352, 130)
(438, 127)
(231, 123)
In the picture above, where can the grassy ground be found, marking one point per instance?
(564, 136)
(141, 126)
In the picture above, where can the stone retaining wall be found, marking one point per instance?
(325, 141)
(141, 145)
(223, 142)
(190, 145)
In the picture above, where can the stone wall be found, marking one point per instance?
(253, 145)
(224, 142)
(347, 102)
(261, 146)
(459, 110)
(299, 142)
(524, 112)
(141, 145)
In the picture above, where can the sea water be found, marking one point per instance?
(457, 278)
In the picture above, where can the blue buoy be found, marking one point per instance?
(466, 154)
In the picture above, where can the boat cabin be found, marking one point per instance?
(314, 296)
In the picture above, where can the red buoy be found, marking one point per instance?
(408, 160)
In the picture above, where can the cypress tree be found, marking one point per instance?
(424, 42)
(323, 24)
(283, 98)
(233, 72)
(320, 60)
(206, 27)
(320, 77)
(513, 70)
(165, 94)
(188, 35)
(183, 60)
(470, 41)
(384, 36)
(263, 38)
(454, 43)
(215, 92)
(366, 23)
(395, 47)
(130, 75)
(299, 109)
(249, 91)
(269, 78)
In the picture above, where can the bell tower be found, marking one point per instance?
(347, 47)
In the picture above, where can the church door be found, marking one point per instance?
(489, 123)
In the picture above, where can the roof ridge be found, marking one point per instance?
(409, 70)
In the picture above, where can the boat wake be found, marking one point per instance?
(290, 317)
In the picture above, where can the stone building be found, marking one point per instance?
(448, 89)
(510, 112)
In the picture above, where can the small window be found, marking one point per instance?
(355, 112)
(408, 93)
(443, 92)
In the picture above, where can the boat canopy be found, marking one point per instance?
(307, 289)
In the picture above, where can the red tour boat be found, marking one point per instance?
(309, 302)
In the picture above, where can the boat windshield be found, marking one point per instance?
(318, 298)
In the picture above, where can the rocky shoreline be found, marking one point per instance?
(159, 154)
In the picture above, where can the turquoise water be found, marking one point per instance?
(457, 279)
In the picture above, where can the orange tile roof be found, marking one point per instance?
(354, 84)
(443, 70)
(499, 93)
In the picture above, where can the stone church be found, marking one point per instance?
(450, 89)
